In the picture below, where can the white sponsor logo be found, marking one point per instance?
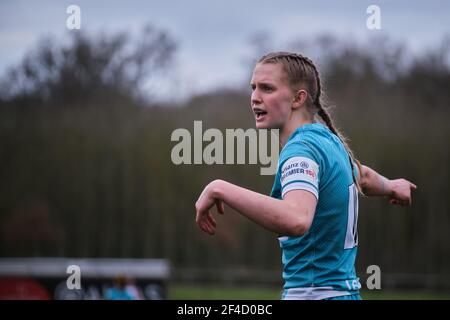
(299, 168)
(300, 173)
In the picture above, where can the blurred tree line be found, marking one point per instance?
(85, 167)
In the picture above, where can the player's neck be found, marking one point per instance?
(290, 127)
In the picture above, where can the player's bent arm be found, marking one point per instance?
(291, 216)
(374, 184)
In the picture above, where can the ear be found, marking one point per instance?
(299, 98)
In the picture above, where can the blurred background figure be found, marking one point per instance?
(132, 289)
(119, 290)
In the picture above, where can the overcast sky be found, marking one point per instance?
(213, 36)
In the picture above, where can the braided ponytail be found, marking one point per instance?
(323, 113)
(301, 69)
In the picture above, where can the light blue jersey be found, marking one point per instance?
(319, 264)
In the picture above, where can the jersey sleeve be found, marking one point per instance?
(299, 170)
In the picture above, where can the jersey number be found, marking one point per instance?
(351, 236)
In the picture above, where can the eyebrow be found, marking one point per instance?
(263, 83)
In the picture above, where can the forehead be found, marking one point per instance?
(268, 72)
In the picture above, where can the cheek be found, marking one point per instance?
(281, 106)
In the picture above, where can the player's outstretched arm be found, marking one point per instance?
(291, 216)
(398, 191)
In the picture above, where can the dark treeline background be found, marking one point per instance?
(86, 170)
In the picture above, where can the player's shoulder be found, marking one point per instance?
(306, 141)
(312, 133)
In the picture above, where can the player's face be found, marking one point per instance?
(272, 97)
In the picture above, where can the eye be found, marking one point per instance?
(253, 87)
(266, 88)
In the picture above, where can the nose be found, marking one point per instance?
(255, 98)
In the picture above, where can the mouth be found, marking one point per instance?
(259, 113)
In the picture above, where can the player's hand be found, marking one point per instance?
(203, 206)
(401, 192)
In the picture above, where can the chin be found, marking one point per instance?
(261, 126)
(264, 125)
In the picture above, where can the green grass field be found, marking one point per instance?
(188, 292)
